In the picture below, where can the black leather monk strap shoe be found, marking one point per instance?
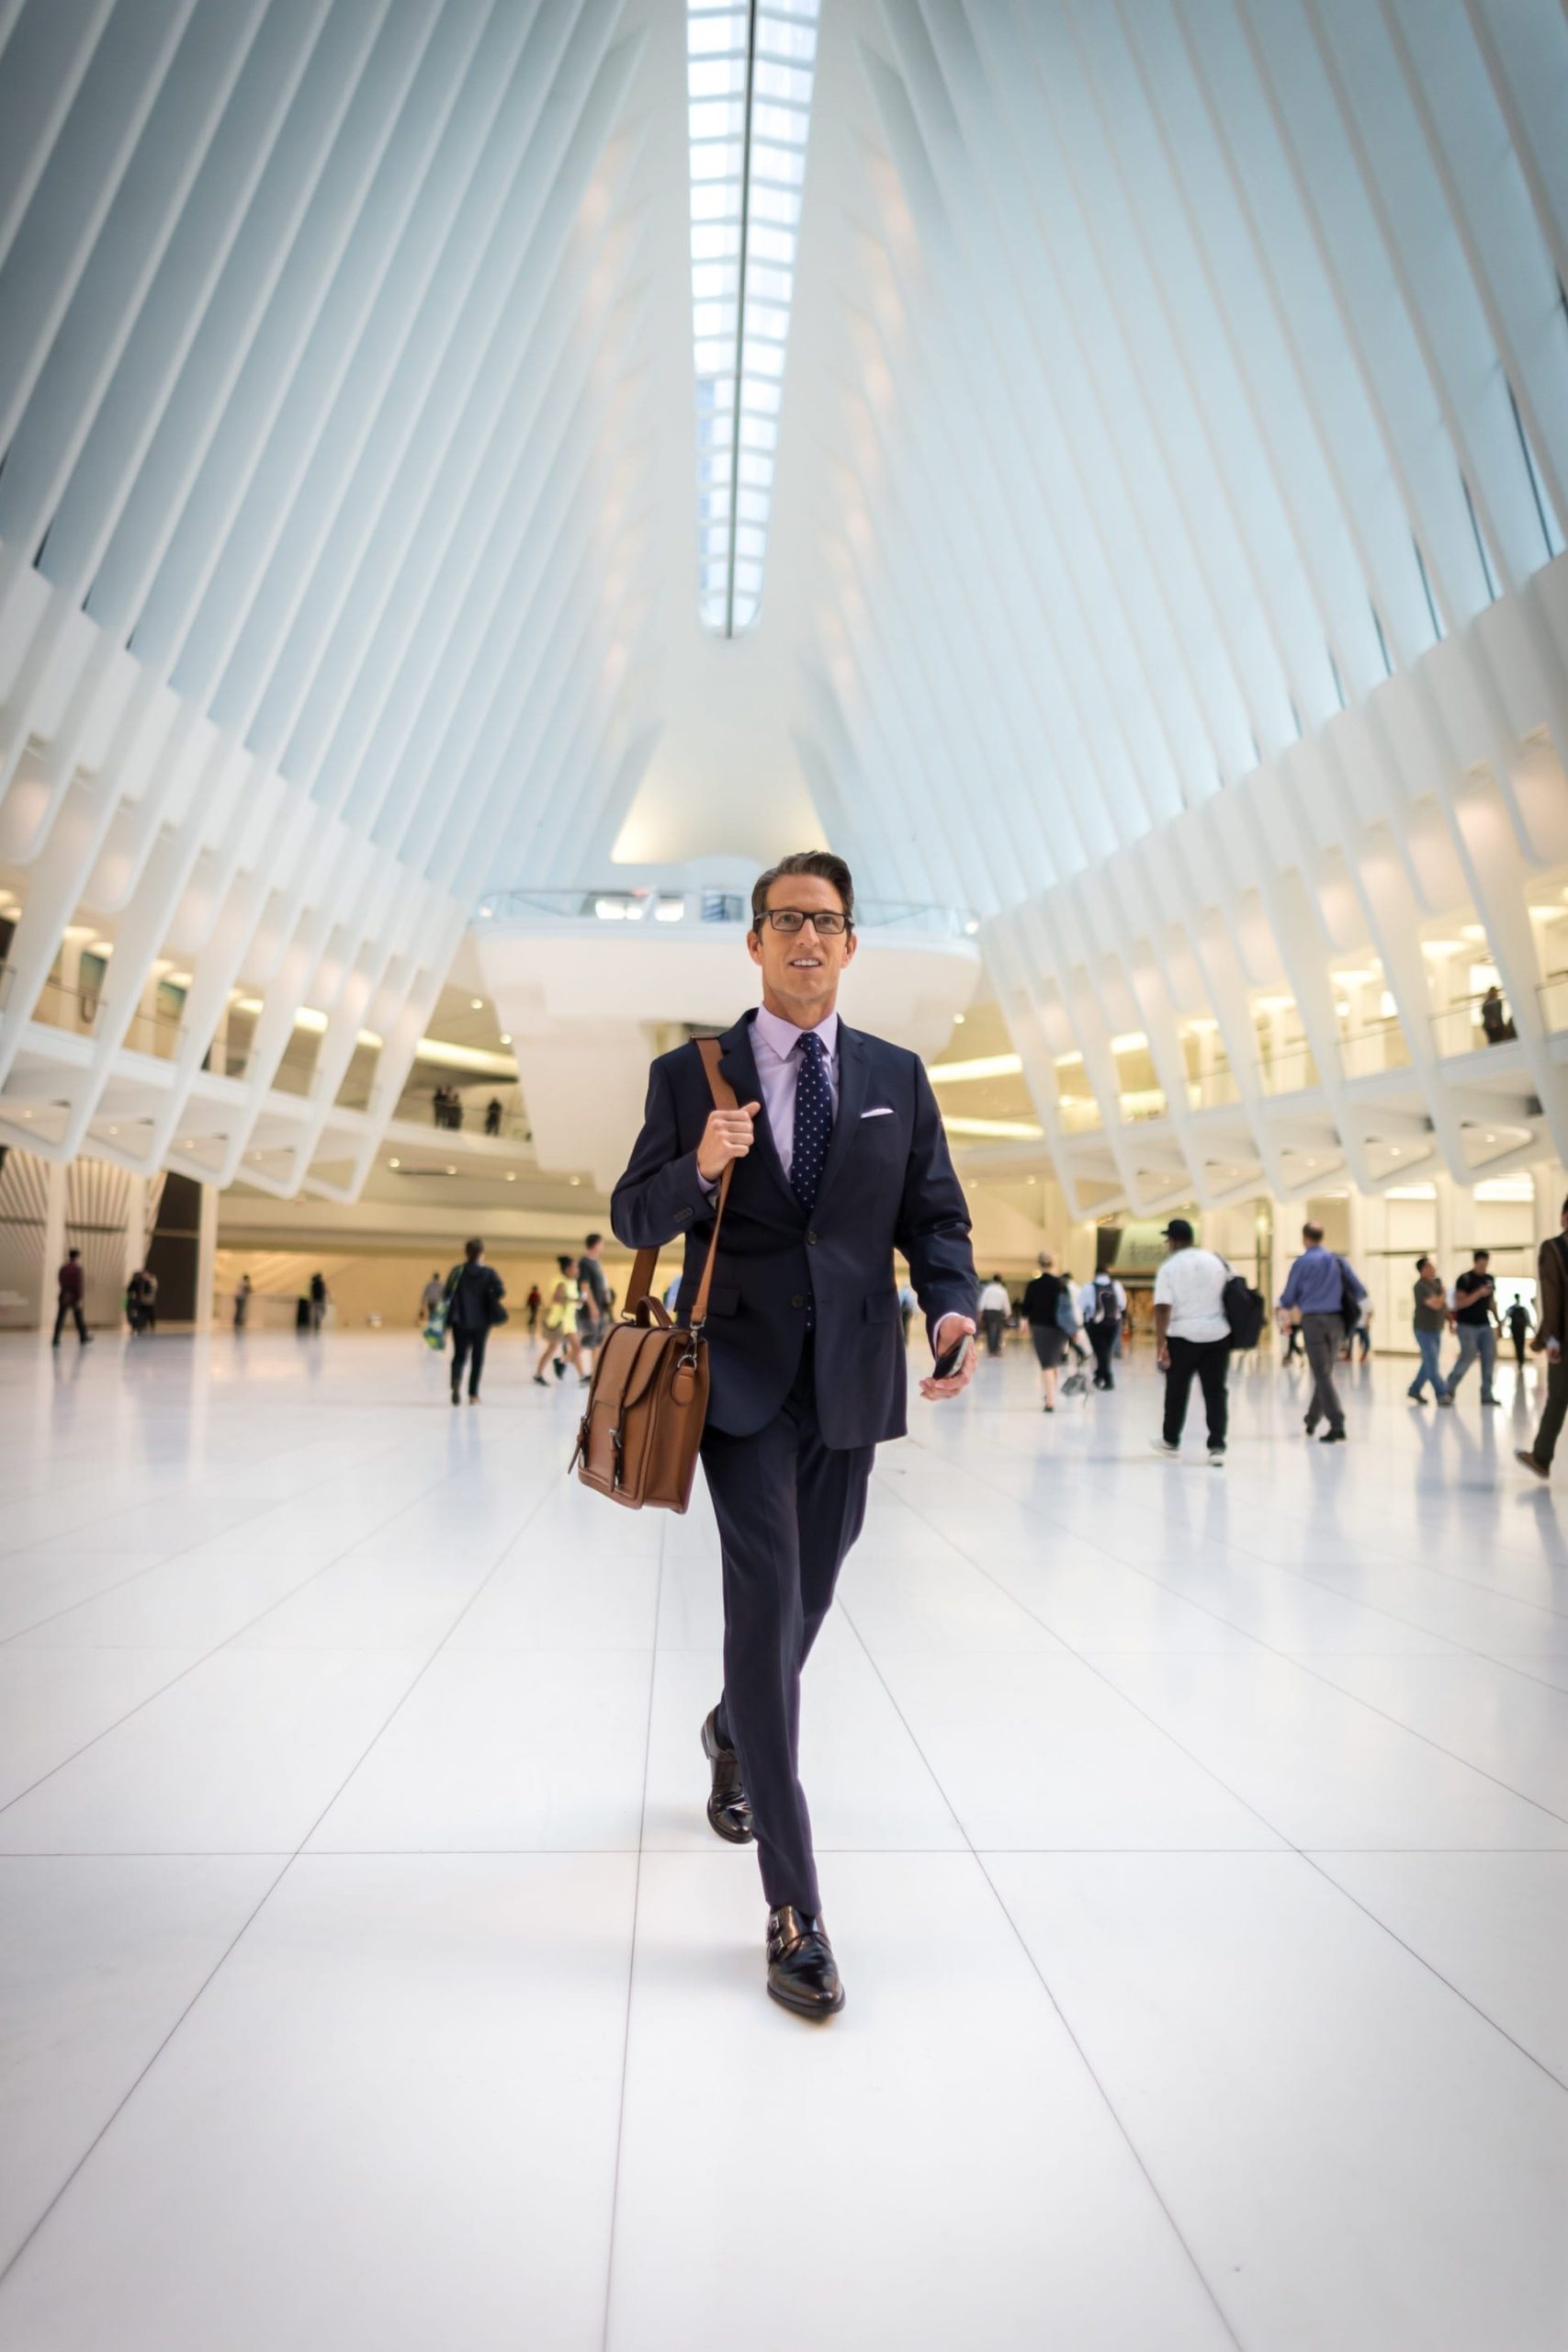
(730, 1815)
(802, 1976)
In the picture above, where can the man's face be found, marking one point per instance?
(800, 971)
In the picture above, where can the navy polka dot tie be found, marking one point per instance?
(812, 1121)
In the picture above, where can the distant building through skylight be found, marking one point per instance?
(749, 87)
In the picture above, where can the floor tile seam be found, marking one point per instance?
(140, 2078)
(1312, 1859)
(1039, 1974)
(204, 1657)
(1468, 1763)
(166, 1561)
(1459, 1650)
(1306, 1853)
(1285, 1657)
(288, 1861)
(1462, 1649)
(1160, 1730)
(631, 1961)
(178, 1488)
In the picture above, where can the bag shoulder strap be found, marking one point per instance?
(646, 1260)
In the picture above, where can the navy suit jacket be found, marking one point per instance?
(889, 1184)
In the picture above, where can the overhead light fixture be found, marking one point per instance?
(958, 1020)
(670, 911)
(1134, 1042)
(1003, 1130)
(988, 1066)
(748, 83)
(1440, 946)
(506, 1037)
(576, 1179)
(512, 1176)
(476, 1004)
(451, 1171)
(394, 1163)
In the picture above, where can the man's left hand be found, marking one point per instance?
(947, 1333)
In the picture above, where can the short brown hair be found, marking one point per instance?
(472, 1250)
(1311, 1233)
(820, 862)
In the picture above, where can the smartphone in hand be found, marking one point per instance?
(947, 1363)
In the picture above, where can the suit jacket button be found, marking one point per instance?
(812, 1238)
(797, 1300)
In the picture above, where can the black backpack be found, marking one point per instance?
(1105, 1306)
(1243, 1310)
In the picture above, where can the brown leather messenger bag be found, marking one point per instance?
(637, 1442)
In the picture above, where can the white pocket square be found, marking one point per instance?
(884, 1110)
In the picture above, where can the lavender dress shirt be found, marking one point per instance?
(778, 1074)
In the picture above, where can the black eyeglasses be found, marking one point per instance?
(789, 920)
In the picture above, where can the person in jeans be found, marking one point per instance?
(1192, 1336)
(592, 1306)
(1317, 1285)
(1517, 1320)
(1475, 1325)
(73, 1282)
(474, 1293)
(1431, 1321)
(1551, 1338)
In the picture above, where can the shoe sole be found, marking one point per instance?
(815, 2011)
(730, 1836)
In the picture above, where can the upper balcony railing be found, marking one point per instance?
(661, 909)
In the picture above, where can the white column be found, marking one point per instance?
(53, 1240)
(207, 1258)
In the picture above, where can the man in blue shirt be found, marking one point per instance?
(1321, 1286)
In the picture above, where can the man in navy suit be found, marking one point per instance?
(839, 1158)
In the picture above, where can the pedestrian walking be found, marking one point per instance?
(71, 1283)
(593, 1304)
(1327, 1293)
(1193, 1338)
(1042, 1312)
(533, 1303)
(1475, 1325)
(995, 1308)
(430, 1298)
(319, 1297)
(1517, 1320)
(561, 1324)
(1552, 1341)
(473, 1292)
(837, 1157)
(243, 1297)
(493, 1116)
(1101, 1305)
(1430, 1321)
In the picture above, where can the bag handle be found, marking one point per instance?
(646, 1260)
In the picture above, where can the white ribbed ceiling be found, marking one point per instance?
(1163, 375)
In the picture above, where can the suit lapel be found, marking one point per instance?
(854, 1076)
(739, 1064)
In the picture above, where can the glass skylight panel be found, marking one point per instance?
(748, 81)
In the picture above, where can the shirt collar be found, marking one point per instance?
(780, 1037)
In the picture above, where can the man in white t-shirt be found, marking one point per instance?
(995, 1308)
(1193, 1337)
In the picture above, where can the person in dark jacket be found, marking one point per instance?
(73, 1282)
(1040, 1312)
(474, 1293)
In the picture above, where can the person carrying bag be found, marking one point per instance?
(647, 1408)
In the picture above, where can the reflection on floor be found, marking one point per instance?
(1196, 1851)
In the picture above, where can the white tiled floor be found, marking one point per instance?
(1195, 1844)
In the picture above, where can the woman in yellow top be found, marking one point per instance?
(561, 1324)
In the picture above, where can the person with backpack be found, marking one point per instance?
(474, 1293)
(1328, 1293)
(1193, 1338)
(1552, 1341)
(1041, 1310)
(561, 1324)
(1102, 1304)
(1517, 1320)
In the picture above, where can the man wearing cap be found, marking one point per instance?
(1193, 1337)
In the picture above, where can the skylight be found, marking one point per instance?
(749, 78)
